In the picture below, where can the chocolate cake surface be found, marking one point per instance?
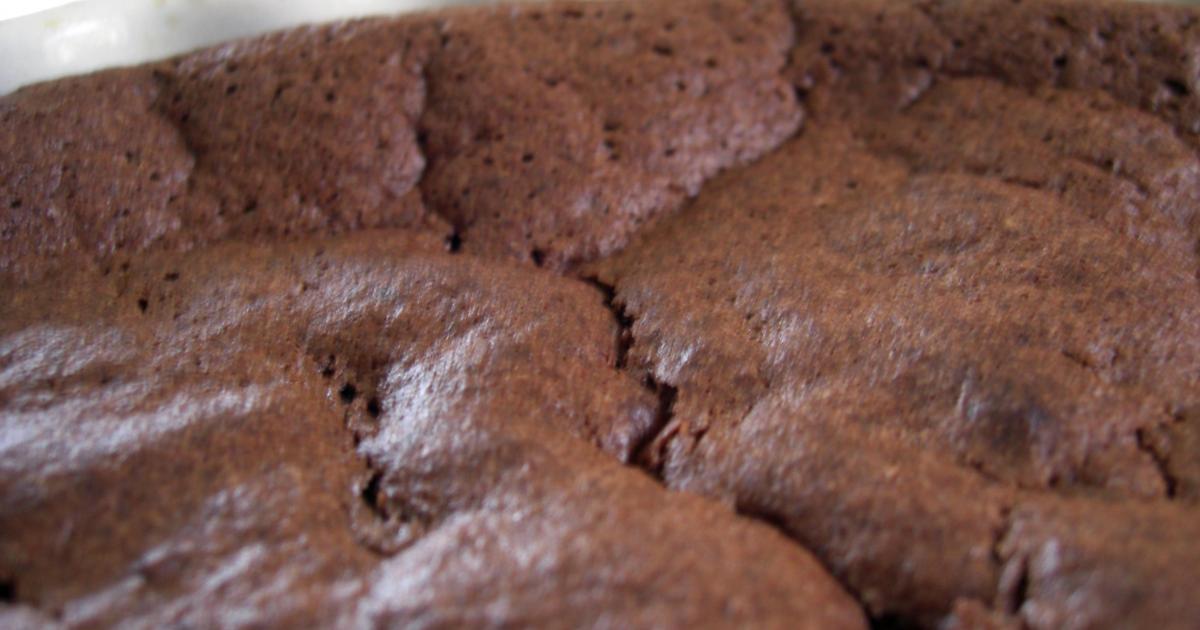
(806, 313)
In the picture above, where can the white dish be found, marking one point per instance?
(55, 41)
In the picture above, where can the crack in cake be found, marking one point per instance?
(817, 313)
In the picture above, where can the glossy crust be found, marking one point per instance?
(374, 323)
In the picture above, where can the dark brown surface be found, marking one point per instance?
(865, 347)
(944, 337)
(180, 448)
(556, 134)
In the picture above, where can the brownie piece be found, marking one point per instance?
(678, 312)
(550, 134)
(310, 130)
(555, 133)
(89, 172)
(361, 430)
(946, 333)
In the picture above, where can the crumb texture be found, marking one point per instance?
(742, 313)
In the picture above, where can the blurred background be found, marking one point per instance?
(45, 39)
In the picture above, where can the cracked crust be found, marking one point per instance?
(212, 469)
(899, 332)
(275, 350)
(637, 104)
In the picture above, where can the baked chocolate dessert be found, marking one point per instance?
(668, 313)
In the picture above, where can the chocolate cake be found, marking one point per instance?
(765, 313)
